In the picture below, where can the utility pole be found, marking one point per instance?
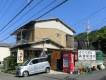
(88, 31)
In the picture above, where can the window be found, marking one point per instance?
(26, 62)
(43, 59)
(35, 61)
(18, 37)
(69, 41)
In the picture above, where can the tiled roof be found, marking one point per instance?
(37, 21)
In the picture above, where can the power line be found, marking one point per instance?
(5, 8)
(16, 15)
(43, 14)
(101, 22)
(23, 16)
(92, 14)
(42, 9)
(52, 9)
(48, 5)
(2, 7)
(47, 11)
(33, 16)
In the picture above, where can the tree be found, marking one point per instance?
(97, 38)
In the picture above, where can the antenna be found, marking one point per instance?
(88, 31)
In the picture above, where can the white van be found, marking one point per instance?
(33, 66)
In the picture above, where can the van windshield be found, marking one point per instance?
(25, 63)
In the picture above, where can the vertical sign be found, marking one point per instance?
(20, 56)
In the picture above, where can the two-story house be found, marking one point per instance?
(51, 35)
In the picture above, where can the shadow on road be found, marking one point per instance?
(69, 78)
(103, 78)
(48, 76)
(30, 75)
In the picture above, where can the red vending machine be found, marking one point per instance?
(65, 63)
(68, 62)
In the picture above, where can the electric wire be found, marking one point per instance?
(16, 15)
(90, 15)
(48, 5)
(5, 8)
(40, 1)
(55, 7)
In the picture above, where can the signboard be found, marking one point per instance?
(20, 56)
(86, 55)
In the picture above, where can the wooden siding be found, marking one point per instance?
(54, 57)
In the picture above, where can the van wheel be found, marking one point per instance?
(47, 70)
(25, 74)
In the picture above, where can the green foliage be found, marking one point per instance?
(96, 37)
(81, 36)
(102, 33)
(10, 63)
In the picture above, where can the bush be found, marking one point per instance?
(10, 63)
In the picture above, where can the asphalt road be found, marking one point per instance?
(98, 75)
(41, 76)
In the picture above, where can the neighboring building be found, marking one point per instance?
(50, 35)
(5, 51)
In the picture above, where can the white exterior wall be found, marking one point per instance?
(53, 24)
(4, 52)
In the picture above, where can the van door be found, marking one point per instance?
(42, 64)
(34, 67)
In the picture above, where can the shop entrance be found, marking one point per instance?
(56, 61)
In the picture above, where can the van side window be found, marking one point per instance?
(42, 60)
(35, 61)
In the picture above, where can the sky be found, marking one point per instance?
(74, 13)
